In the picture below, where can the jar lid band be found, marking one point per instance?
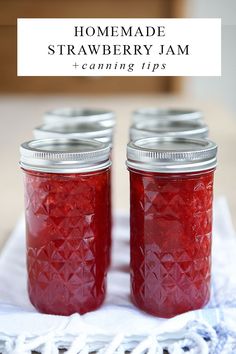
(170, 114)
(169, 154)
(79, 115)
(162, 128)
(77, 131)
(65, 155)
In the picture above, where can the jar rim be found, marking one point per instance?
(64, 155)
(80, 130)
(168, 154)
(174, 128)
(171, 114)
(70, 115)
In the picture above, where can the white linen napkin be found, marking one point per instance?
(118, 325)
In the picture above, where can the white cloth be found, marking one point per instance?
(118, 326)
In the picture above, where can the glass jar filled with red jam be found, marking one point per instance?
(171, 191)
(166, 114)
(73, 116)
(78, 130)
(67, 210)
(165, 127)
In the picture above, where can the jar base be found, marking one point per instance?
(167, 314)
(66, 312)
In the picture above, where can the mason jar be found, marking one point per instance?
(67, 211)
(171, 191)
(168, 128)
(84, 130)
(73, 116)
(169, 114)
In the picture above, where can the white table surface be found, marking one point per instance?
(20, 114)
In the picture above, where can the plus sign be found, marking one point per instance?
(75, 65)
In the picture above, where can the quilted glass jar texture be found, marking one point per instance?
(171, 193)
(171, 224)
(79, 124)
(67, 227)
(68, 223)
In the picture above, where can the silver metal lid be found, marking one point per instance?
(64, 155)
(170, 155)
(78, 131)
(71, 116)
(168, 128)
(166, 114)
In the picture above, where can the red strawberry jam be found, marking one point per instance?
(64, 123)
(171, 225)
(67, 231)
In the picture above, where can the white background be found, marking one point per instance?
(202, 35)
(217, 89)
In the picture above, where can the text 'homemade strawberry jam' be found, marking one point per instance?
(67, 201)
(171, 191)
